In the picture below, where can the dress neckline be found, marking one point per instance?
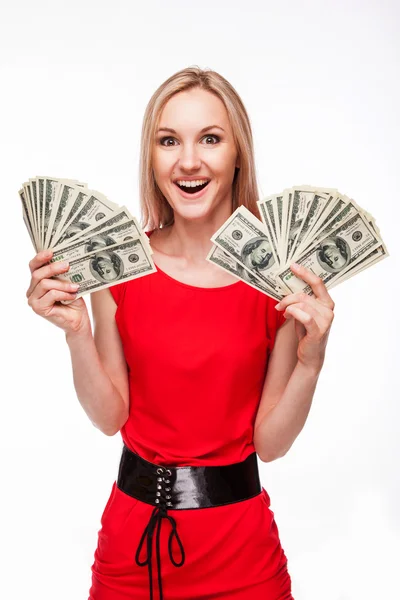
(193, 287)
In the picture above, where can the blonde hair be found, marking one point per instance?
(155, 210)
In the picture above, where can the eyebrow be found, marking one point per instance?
(201, 131)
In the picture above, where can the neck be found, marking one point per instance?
(190, 239)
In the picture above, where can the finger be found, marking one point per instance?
(45, 304)
(305, 300)
(322, 322)
(47, 284)
(306, 319)
(40, 259)
(315, 282)
(46, 272)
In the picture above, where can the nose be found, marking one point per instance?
(189, 159)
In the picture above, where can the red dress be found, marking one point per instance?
(197, 359)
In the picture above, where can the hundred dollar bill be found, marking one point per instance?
(27, 214)
(331, 210)
(120, 229)
(270, 218)
(225, 262)
(372, 258)
(333, 255)
(99, 230)
(64, 198)
(286, 210)
(50, 191)
(312, 219)
(102, 269)
(246, 239)
(70, 200)
(314, 210)
(55, 200)
(40, 187)
(28, 197)
(95, 208)
(33, 194)
(349, 210)
(26, 217)
(301, 200)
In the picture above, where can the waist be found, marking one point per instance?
(187, 487)
(170, 487)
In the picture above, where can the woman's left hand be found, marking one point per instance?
(313, 318)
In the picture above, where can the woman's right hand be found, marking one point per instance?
(44, 295)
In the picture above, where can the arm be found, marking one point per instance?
(99, 367)
(294, 367)
(286, 397)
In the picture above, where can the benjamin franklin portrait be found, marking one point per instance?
(334, 254)
(106, 266)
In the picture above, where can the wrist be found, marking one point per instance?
(308, 369)
(84, 332)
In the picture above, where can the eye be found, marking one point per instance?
(164, 139)
(211, 136)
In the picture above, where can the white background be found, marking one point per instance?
(320, 81)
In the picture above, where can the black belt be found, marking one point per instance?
(179, 488)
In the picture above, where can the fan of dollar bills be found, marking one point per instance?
(318, 228)
(102, 241)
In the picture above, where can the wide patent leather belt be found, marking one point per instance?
(178, 488)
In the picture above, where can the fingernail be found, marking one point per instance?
(278, 306)
(63, 265)
(295, 265)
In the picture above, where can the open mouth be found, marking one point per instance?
(192, 189)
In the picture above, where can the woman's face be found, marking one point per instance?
(194, 141)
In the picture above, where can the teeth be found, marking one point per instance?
(184, 183)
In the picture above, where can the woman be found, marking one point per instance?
(178, 364)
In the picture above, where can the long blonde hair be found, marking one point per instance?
(155, 210)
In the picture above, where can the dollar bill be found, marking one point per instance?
(95, 208)
(116, 264)
(225, 262)
(70, 200)
(314, 210)
(120, 229)
(27, 194)
(349, 209)
(270, 217)
(54, 190)
(246, 239)
(301, 201)
(327, 232)
(375, 256)
(117, 218)
(26, 216)
(331, 257)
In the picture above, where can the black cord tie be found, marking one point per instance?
(159, 513)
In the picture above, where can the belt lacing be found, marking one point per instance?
(159, 513)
